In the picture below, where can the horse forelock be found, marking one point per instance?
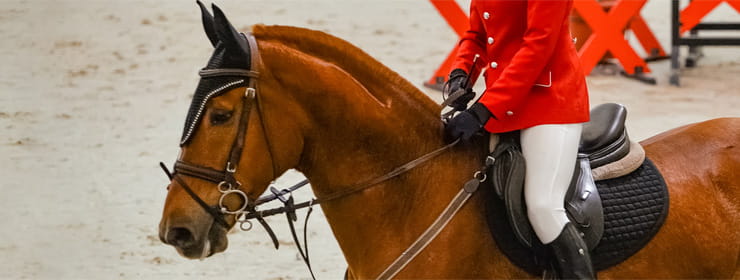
(363, 67)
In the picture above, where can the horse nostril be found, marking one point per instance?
(180, 237)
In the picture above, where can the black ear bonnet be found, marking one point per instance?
(231, 51)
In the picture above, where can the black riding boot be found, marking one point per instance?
(572, 254)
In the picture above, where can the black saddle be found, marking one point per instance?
(604, 140)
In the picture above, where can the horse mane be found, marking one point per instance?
(352, 59)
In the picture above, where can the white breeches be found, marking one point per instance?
(550, 152)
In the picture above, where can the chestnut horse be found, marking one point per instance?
(330, 111)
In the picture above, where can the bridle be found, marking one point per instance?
(227, 184)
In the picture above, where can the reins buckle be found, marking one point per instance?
(229, 168)
(251, 93)
(490, 160)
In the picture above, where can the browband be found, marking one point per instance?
(208, 73)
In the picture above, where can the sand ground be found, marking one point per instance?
(93, 94)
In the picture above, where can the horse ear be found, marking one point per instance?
(225, 31)
(208, 23)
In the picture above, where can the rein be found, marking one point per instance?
(227, 184)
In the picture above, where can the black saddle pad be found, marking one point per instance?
(635, 207)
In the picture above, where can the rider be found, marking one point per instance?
(534, 83)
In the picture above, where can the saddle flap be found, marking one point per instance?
(513, 197)
(583, 203)
(508, 171)
(502, 162)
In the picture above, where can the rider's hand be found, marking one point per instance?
(456, 82)
(467, 123)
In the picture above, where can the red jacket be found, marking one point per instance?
(534, 75)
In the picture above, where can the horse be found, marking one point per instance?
(329, 110)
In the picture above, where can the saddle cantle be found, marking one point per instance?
(605, 152)
(604, 138)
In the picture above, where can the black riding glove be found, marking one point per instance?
(467, 123)
(457, 81)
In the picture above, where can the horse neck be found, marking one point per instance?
(351, 124)
(355, 131)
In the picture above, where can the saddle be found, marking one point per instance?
(617, 199)
(605, 152)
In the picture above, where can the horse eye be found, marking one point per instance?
(220, 117)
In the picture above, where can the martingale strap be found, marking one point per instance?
(303, 251)
(432, 231)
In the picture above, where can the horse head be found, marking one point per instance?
(291, 98)
(212, 140)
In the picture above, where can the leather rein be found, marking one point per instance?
(227, 184)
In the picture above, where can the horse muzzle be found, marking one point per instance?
(194, 244)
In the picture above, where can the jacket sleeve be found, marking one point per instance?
(472, 43)
(545, 18)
